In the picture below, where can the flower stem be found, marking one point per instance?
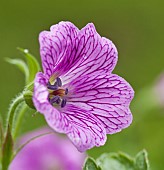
(7, 148)
(1, 141)
(19, 119)
(12, 110)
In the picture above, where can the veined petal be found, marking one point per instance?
(81, 126)
(107, 97)
(94, 54)
(55, 44)
(85, 130)
(42, 105)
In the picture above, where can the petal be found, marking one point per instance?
(93, 54)
(42, 105)
(107, 97)
(85, 130)
(55, 44)
(82, 127)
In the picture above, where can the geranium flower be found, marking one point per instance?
(158, 90)
(77, 92)
(48, 152)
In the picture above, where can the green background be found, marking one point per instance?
(136, 28)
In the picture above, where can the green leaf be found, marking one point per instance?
(7, 149)
(141, 161)
(21, 65)
(33, 65)
(122, 161)
(115, 161)
(90, 164)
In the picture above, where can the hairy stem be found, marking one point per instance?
(7, 148)
(19, 120)
(12, 110)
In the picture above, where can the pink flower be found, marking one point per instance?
(77, 92)
(158, 89)
(48, 152)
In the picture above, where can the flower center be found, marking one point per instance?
(57, 95)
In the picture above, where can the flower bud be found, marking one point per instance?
(27, 94)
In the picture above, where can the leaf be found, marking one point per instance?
(115, 161)
(7, 149)
(122, 161)
(141, 161)
(33, 65)
(90, 164)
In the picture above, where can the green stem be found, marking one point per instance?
(19, 120)
(1, 134)
(1, 141)
(12, 110)
(7, 148)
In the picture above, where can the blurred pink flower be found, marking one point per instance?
(47, 152)
(159, 89)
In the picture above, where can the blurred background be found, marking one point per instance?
(136, 28)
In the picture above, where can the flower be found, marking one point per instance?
(158, 90)
(77, 92)
(48, 152)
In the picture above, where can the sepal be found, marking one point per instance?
(21, 65)
(30, 68)
(32, 63)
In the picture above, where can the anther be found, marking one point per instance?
(54, 99)
(63, 103)
(58, 101)
(59, 82)
(52, 87)
(66, 91)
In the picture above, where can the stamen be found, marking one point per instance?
(56, 93)
(54, 99)
(59, 82)
(63, 103)
(52, 87)
(58, 101)
(66, 91)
